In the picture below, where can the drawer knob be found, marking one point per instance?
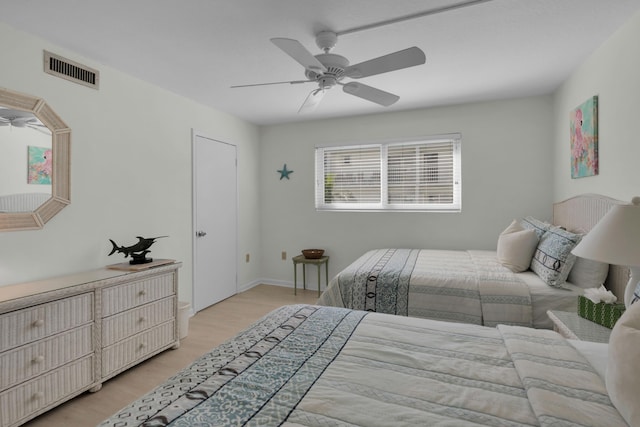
(142, 346)
(142, 319)
(38, 323)
(142, 293)
(38, 359)
(38, 395)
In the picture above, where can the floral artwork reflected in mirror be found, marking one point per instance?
(40, 165)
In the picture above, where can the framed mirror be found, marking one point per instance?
(23, 207)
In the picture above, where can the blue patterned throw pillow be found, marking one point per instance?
(531, 223)
(552, 260)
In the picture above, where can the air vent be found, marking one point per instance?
(69, 70)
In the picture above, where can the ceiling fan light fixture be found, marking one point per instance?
(327, 82)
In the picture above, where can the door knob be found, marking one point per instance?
(201, 233)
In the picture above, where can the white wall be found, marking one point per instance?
(506, 174)
(611, 72)
(130, 170)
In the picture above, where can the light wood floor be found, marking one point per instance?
(207, 328)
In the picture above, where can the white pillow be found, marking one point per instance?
(587, 273)
(516, 246)
(623, 381)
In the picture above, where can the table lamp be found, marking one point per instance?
(615, 239)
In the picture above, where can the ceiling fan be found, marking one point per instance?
(329, 69)
(21, 119)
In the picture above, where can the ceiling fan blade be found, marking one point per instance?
(275, 83)
(22, 121)
(370, 93)
(294, 49)
(39, 128)
(312, 101)
(383, 64)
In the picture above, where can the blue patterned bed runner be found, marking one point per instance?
(255, 379)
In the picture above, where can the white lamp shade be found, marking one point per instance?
(616, 237)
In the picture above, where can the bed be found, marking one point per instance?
(307, 365)
(485, 287)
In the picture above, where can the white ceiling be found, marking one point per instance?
(199, 48)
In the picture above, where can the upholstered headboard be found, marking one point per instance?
(581, 213)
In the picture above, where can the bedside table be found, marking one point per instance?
(570, 325)
(300, 259)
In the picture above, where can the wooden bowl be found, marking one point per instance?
(312, 253)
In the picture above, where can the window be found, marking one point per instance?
(417, 175)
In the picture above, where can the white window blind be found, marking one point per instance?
(410, 175)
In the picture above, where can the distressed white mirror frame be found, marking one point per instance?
(61, 150)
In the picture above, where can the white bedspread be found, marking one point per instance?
(414, 372)
(324, 366)
(458, 286)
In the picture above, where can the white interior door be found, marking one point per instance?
(215, 221)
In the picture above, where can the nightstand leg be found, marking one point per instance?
(295, 277)
(304, 275)
(326, 273)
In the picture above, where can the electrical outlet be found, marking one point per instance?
(284, 255)
(247, 258)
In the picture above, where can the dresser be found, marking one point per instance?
(63, 336)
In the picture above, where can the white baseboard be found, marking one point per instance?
(257, 282)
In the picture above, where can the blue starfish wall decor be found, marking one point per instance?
(284, 173)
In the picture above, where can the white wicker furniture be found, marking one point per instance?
(571, 326)
(66, 335)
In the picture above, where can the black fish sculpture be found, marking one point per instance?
(137, 251)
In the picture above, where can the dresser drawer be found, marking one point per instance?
(47, 390)
(30, 324)
(137, 348)
(23, 363)
(119, 298)
(120, 326)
